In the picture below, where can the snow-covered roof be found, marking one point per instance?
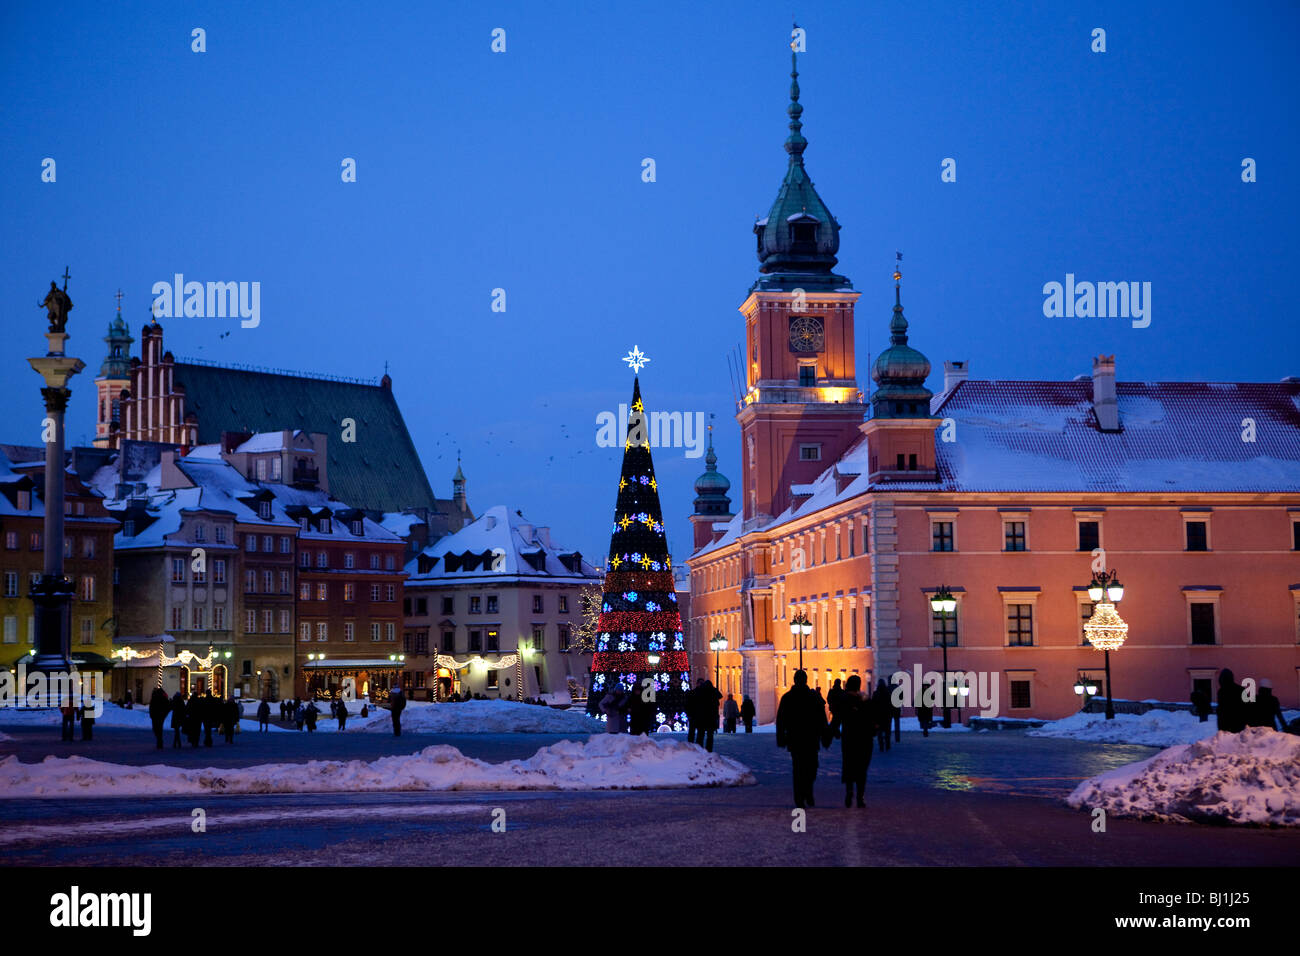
(1026, 436)
(400, 523)
(506, 538)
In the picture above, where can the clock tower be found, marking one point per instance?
(802, 408)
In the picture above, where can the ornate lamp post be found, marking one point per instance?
(53, 594)
(717, 645)
(1106, 630)
(800, 628)
(943, 604)
(1086, 690)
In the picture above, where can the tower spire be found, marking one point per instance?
(795, 143)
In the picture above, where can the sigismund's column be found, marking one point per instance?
(52, 596)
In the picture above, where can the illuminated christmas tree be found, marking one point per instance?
(639, 616)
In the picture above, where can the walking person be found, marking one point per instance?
(87, 723)
(695, 731)
(232, 711)
(801, 728)
(854, 725)
(209, 710)
(1232, 709)
(833, 698)
(263, 716)
(299, 717)
(730, 714)
(708, 718)
(747, 714)
(159, 705)
(69, 715)
(884, 713)
(178, 718)
(1267, 711)
(309, 715)
(1201, 704)
(341, 712)
(130, 701)
(397, 704)
(194, 719)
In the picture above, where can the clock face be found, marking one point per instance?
(806, 333)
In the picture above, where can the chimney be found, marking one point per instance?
(1103, 393)
(953, 374)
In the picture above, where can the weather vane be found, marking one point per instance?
(635, 359)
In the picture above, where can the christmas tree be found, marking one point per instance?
(639, 616)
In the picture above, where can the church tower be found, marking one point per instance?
(900, 432)
(711, 501)
(114, 375)
(802, 407)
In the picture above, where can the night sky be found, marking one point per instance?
(522, 170)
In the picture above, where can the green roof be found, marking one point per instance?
(380, 471)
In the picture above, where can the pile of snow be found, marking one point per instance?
(4, 738)
(468, 717)
(605, 762)
(1252, 777)
(1155, 728)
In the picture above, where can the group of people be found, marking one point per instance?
(702, 713)
(1235, 712)
(198, 716)
(857, 719)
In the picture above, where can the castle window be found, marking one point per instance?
(911, 463)
(264, 511)
(803, 234)
(275, 468)
(807, 376)
(810, 452)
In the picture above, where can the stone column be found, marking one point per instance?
(53, 595)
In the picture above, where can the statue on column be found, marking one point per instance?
(57, 304)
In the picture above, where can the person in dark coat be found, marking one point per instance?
(747, 714)
(232, 711)
(397, 704)
(87, 722)
(707, 699)
(884, 713)
(159, 705)
(341, 712)
(1232, 709)
(309, 715)
(210, 711)
(641, 714)
(1267, 709)
(924, 716)
(695, 730)
(298, 715)
(194, 719)
(854, 724)
(730, 714)
(178, 717)
(1201, 704)
(263, 715)
(69, 720)
(801, 728)
(130, 701)
(833, 698)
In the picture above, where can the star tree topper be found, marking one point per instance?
(635, 359)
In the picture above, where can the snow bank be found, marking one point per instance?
(4, 737)
(469, 717)
(605, 762)
(1155, 728)
(114, 715)
(1252, 777)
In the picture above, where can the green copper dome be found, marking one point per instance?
(711, 487)
(117, 362)
(900, 371)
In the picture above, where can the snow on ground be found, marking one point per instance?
(4, 737)
(468, 717)
(605, 762)
(114, 715)
(1155, 728)
(1252, 777)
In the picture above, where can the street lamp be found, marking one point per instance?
(943, 604)
(1106, 630)
(653, 658)
(717, 645)
(1086, 689)
(800, 628)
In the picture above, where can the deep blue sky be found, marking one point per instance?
(522, 170)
